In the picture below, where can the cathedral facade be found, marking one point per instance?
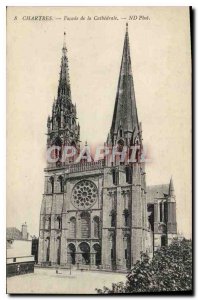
(101, 214)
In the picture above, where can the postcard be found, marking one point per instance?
(99, 150)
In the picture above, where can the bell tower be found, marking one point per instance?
(124, 209)
(62, 126)
(62, 130)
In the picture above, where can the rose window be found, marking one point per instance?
(84, 194)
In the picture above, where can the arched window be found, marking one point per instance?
(138, 153)
(59, 222)
(115, 176)
(113, 218)
(47, 222)
(150, 212)
(72, 228)
(58, 241)
(161, 212)
(96, 221)
(126, 217)
(59, 121)
(128, 171)
(113, 250)
(58, 143)
(61, 184)
(51, 180)
(97, 250)
(165, 212)
(71, 254)
(127, 250)
(85, 225)
(120, 145)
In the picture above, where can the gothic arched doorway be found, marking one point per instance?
(85, 251)
(97, 250)
(71, 254)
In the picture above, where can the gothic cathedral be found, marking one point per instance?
(101, 214)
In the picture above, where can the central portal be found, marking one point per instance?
(85, 252)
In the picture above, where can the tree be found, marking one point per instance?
(169, 270)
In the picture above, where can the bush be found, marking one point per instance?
(169, 270)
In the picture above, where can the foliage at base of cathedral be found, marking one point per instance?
(169, 270)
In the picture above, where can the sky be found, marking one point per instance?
(161, 67)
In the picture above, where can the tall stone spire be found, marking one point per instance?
(62, 126)
(125, 120)
(64, 82)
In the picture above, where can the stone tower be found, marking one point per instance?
(62, 130)
(125, 226)
(62, 127)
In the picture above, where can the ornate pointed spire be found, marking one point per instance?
(63, 122)
(64, 82)
(125, 111)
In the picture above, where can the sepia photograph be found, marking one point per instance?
(99, 150)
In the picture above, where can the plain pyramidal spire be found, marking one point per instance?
(125, 111)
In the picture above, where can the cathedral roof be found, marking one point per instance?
(157, 192)
(12, 233)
